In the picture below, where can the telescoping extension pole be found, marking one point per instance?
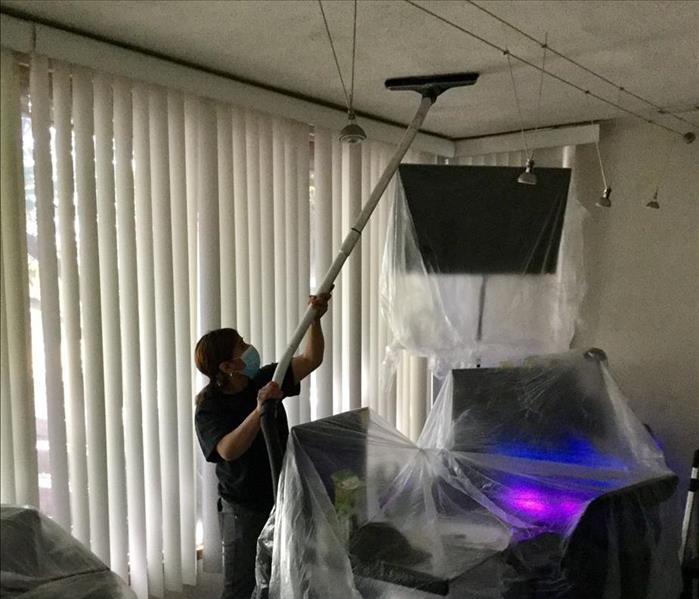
(430, 88)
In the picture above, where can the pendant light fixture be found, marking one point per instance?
(660, 178)
(352, 132)
(528, 177)
(604, 200)
(654, 202)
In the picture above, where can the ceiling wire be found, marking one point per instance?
(354, 48)
(660, 109)
(348, 98)
(599, 159)
(599, 154)
(549, 73)
(541, 85)
(519, 109)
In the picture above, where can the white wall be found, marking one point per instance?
(642, 304)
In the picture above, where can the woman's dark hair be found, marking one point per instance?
(213, 348)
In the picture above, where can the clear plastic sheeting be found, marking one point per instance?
(40, 560)
(529, 480)
(492, 270)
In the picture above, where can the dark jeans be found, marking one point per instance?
(240, 527)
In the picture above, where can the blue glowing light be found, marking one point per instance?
(566, 450)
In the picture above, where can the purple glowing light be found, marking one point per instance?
(540, 504)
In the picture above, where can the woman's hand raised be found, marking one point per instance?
(320, 303)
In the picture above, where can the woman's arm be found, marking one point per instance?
(312, 356)
(238, 441)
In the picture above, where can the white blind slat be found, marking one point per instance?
(304, 247)
(128, 309)
(279, 193)
(267, 239)
(338, 302)
(48, 279)
(90, 302)
(210, 307)
(109, 300)
(226, 215)
(322, 235)
(252, 154)
(147, 338)
(374, 354)
(69, 296)
(183, 351)
(242, 242)
(165, 338)
(191, 148)
(352, 293)
(365, 241)
(7, 463)
(389, 387)
(291, 244)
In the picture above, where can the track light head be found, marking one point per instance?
(528, 177)
(654, 202)
(352, 133)
(604, 201)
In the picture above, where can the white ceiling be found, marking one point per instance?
(651, 48)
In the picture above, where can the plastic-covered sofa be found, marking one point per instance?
(40, 560)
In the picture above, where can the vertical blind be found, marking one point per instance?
(149, 217)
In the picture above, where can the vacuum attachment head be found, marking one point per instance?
(432, 85)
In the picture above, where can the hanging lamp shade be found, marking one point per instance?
(604, 201)
(528, 177)
(654, 204)
(352, 133)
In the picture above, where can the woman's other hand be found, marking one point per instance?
(270, 391)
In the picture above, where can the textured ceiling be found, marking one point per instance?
(649, 47)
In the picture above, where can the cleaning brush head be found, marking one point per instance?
(431, 85)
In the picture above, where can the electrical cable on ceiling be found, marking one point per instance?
(351, 133)
(689, 137)
(337, 62)
(354, 53)
(604, 200)
(519, 108)
(541, 86)
(660, 109)
(527, 177)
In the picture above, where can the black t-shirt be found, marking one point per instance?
(246, 480)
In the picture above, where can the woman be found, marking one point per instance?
(227, 421)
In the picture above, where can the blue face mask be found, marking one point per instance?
(251, 359)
